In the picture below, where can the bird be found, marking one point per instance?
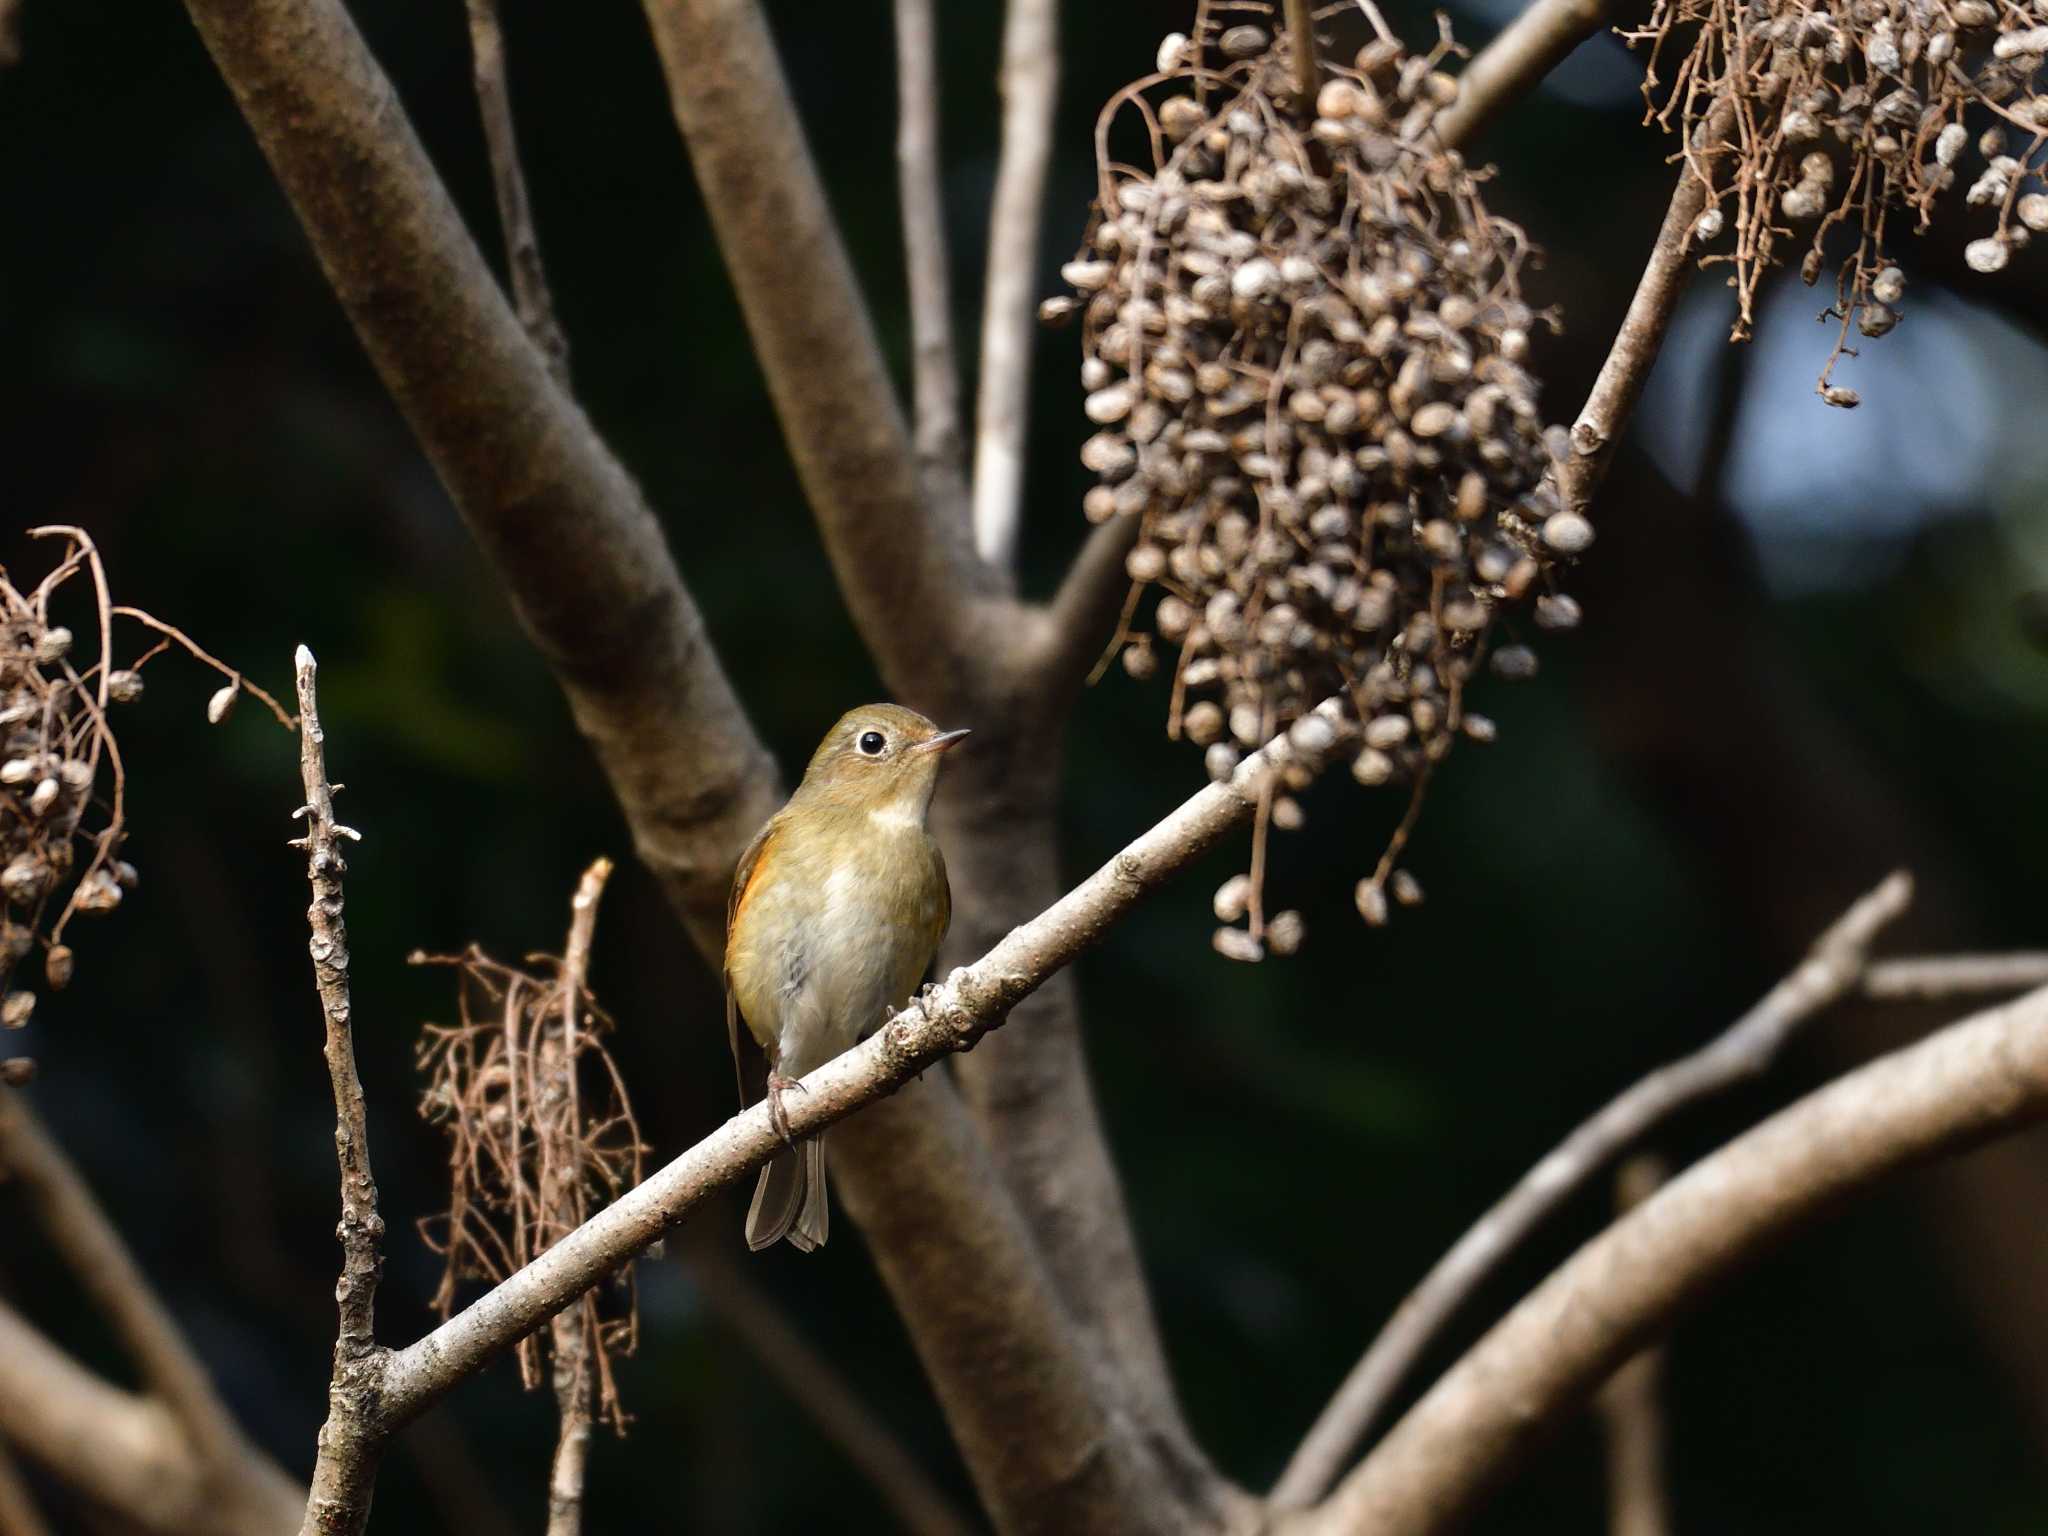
(838, 906)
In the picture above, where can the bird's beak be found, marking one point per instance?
(943, 742)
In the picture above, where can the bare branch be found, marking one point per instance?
(1833, 967)
(1074, 631)
(1933, 978)
(530, 296)
(565, 527)
(571, 1332)
(1621, 379)
(1030, 85)
(948, 1018)
(1631, 1407)
(345, 1471)
(1530, 47)
(816, 1387)
(1301, 34)
(1974, 1081)
(904, 566)
(935, 375)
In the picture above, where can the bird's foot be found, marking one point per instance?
(777, 1115)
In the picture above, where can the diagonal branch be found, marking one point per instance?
(904, 564)
(1833, 967)
(1530, 47)
(562, 523)
(19, 1515)
(530, 296)
(1979, 1079)
(1631, 1404)
(935, 376)
(1030, 85)
(1597, 431)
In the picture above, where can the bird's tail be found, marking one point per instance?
(789, 1200)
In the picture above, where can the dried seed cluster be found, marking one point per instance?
(1801, 117)
(62, 785)
(1305, 346)
(60, 789)
(532, 1153)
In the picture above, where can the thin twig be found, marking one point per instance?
(1301, 33)
(531, 299)
(1631, 1404)
(199, 653)
(1030, 85)
(346, 1469)
(1832, 968)
(571, 1331)
(1981, 1078)
(1627, 369)
(1933, 978)
(949, 1017)
(935, 375)
(1532, 45)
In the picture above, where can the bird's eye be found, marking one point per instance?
(871, 743)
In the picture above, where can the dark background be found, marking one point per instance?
(1805, 659)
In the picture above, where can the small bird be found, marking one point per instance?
(837, 908)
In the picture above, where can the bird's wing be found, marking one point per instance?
(746, 1050)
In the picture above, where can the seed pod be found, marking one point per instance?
(222, 704)
(1372, 903)
(124, 685)
(1233, 898)
(15, 1010)
(1284, 932)
(1406, 888)
(1236, 944)
(50, 646)
(1568, 533)
(58, 965)
(43, 799)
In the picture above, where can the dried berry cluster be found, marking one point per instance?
(1802, 117)
(533, 1150)
(61, 781)
(1304, 342)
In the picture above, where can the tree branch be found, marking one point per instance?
(1631, 1406)
(1030, 86)
(1530, 47)
(572, 1333)
(1074, 631)
(345, 1471)
(904, 565)
(1832, 968)
(530, 296)
(1621, 379)
(562, 523)
(1927, 979)
(1974, 1081)
(935, 376)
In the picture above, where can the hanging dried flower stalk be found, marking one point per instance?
(1801, 119)
(1304, 341)
(540, 1134)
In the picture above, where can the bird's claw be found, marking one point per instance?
(777, 1115)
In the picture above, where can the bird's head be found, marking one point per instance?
(881, 758)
